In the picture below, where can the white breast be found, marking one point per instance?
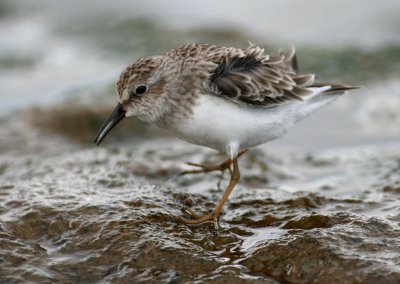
(221, 124)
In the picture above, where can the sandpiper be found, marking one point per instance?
(225, 98)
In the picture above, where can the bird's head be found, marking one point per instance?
(142, 91)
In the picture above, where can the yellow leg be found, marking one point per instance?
(235, 176)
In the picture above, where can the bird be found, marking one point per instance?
(225, 98)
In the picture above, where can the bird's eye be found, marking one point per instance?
(141, 89)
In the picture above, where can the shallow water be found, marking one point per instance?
(319, 206)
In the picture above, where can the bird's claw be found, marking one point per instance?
(197, 219)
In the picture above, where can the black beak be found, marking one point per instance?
(117, 115)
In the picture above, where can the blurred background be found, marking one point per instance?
(59, 60)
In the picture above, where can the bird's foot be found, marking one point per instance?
(202, 168)
(213, 217)
(198, 219)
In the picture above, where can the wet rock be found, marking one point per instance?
(111, 215)
(309, 222)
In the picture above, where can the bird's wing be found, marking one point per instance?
(249, 76)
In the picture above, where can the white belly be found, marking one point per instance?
(220, 124)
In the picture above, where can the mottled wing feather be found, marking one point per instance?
(251, 77)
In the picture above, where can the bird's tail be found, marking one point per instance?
(322, 94)
(334, 88)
